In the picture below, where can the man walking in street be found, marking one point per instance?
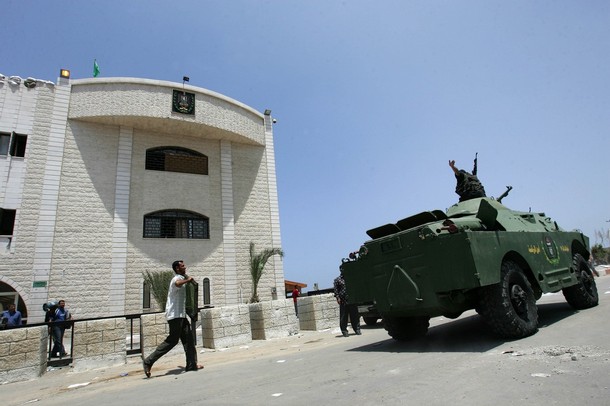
(179, 327)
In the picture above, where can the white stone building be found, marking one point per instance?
(104, 178)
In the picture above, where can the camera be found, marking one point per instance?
(49, 306)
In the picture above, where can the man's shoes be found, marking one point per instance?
(195, 368)
(146, 369)
(345, 334)
(358, 332)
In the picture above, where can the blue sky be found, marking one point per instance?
(372, 98)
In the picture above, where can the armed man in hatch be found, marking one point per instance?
(468, 185)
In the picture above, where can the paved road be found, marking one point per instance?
(566, 363)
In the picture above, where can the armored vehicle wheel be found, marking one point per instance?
(584, 294)
(370, 320)
(509, 307)
(406, 328)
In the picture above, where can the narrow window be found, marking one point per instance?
(5, 140)
(206, 291)
(145, 296)
(176, 159)
(176, 224)
(18, 145)
(7, 221)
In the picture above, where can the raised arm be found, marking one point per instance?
(452, 165)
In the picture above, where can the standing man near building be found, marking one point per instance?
(345, 309)
(179, 327)
(58, 317)
(295, 295)
(11, 317)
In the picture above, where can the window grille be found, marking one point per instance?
(176, 159)
(176, 224)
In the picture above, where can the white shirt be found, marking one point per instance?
(175, 307)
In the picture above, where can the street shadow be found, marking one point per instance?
(376, 326)
(176, 371)
(551, 313)
(466, 334)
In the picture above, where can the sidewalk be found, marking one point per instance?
(60, 380)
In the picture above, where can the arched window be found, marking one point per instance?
(176, 224)
(176, 159)
(9, 296)
(206, 292)
(145, 295)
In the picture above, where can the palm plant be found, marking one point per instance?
(257, 266)
(159, 284)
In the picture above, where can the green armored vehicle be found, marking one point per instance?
(478, 255)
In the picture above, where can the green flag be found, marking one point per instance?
(96, 69)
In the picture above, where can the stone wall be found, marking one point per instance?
(23, 353)
(227, 326)
(102, 343)
(99, 343)
(318, 312)
(82, 250)
(273, 319)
